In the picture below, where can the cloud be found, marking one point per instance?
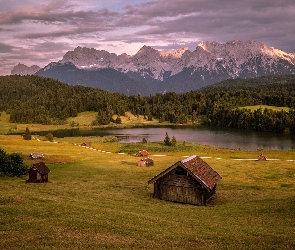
(126, 25)
(5, 48)
(57, 14)
(217, 20)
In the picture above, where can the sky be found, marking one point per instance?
(39, 32)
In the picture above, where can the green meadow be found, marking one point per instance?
(98, 198)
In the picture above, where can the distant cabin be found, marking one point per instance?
(38, 172)
(37, 155)
(142, 153)
(190, 181)
(262, 157)
(145, 162)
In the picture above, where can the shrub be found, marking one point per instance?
(49, 137)
(12, 164)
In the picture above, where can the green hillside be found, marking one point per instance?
(39, 100)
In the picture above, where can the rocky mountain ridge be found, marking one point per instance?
(181, 70)
(22, 69)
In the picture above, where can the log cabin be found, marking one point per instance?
(38, 172)
(190, 181)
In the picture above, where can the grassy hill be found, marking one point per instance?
(98, 198)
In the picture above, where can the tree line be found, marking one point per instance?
(35, 99)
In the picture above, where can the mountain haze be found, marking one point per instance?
(150, 71)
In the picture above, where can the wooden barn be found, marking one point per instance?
(190, 181)
(142, 153)
(38, 172)
(145, 162)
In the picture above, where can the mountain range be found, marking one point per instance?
(150, 71)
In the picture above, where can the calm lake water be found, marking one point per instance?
(227, 138)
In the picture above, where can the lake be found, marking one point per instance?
(226, 138)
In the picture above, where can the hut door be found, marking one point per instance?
(33, 175)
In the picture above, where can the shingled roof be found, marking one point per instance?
(41, 168)
(197, 168)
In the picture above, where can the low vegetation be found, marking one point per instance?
(98, 198)
(11, 164)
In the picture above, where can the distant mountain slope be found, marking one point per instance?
(268, 85)
(106, 79)
(23, 70)
(150, 71)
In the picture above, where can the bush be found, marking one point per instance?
(12, 164)
(49, 137)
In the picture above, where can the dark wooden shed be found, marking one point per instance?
(38, 172)
(145, 162)
(190, 181)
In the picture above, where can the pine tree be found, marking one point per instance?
(173, 141)
(167, 141)
(27, 135)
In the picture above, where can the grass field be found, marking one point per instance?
(82, 120)
(98, 198)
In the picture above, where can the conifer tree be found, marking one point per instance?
(173, 141)
(167, 141)
(27, 135)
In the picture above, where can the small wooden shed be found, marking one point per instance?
(86, 144)
(262, 157)
(142, 153)
(145, 162)
(38, 172)
(190, 181)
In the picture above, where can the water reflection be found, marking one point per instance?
(227, 138)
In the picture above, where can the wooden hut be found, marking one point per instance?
(38, 172)
(86, 144)
(142, 153)
(145, 162)
(36, 155)
(262, 157)
(190, 181)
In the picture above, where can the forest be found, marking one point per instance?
(35, 99)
